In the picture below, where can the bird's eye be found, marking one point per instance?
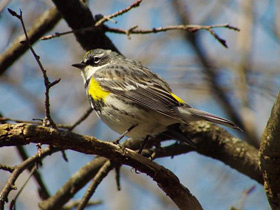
(93, 60)
(96, 59)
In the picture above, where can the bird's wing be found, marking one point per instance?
(140, 85)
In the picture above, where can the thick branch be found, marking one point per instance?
(237, 154)
(270, 156)
(78, 16)
(43, 24)
(215, 142)
(21, 134)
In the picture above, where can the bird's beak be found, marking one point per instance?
(79, 65)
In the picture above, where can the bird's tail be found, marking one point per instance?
(174, 132)
(191, 114)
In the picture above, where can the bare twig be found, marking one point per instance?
(134, 30)
(43, 24)
(79, 179)
(118, 13)
(18, 121)
(42, 190)
(18, 170)
(209, 69)
(245, 195)
(117, 176)
(188, 28)
(101, 174)
(74, 204)
(5, 119)
(47, 83)
(7, 168)
(98, 23)
(13, 202)
(81, 119)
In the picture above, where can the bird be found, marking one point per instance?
(134, 101)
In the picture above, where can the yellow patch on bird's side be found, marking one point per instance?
(96, 91)
(177, 98)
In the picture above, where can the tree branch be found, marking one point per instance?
(211, 72)
(214, 142)
(43, 24)
(43, 191)
(83, 19)
(76, 182)
(219, 145)
(100, 175)
(188, 28)
(18, 170)
(21, 134)
(47, 83)
(270, 156)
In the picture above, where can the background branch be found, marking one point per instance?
(101, 174)
(90, 40)
(211, 72)
(47, 83)
(76, 182)
(17, 171)
(43, 191)
(270, 156)
(188, 28)
(43, 24)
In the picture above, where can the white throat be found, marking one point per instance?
(88, 71)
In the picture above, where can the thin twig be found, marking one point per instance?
(98, 23)
(188, 28)
(209, 69)
(245, 196)
(134, 30)
(81, 119)
(13, 202)
(74, 204)
(118, 13)
(7, 168)
(117, 176)
(101, 174)
(47, 83)
(5, 119)
(18, 170)
(15, 50)
(42, 190)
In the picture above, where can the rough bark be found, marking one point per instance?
(270, 156)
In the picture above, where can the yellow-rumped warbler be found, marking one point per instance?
(126, 94)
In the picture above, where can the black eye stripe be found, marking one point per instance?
(93, 60)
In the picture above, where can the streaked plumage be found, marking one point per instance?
(125, 93)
